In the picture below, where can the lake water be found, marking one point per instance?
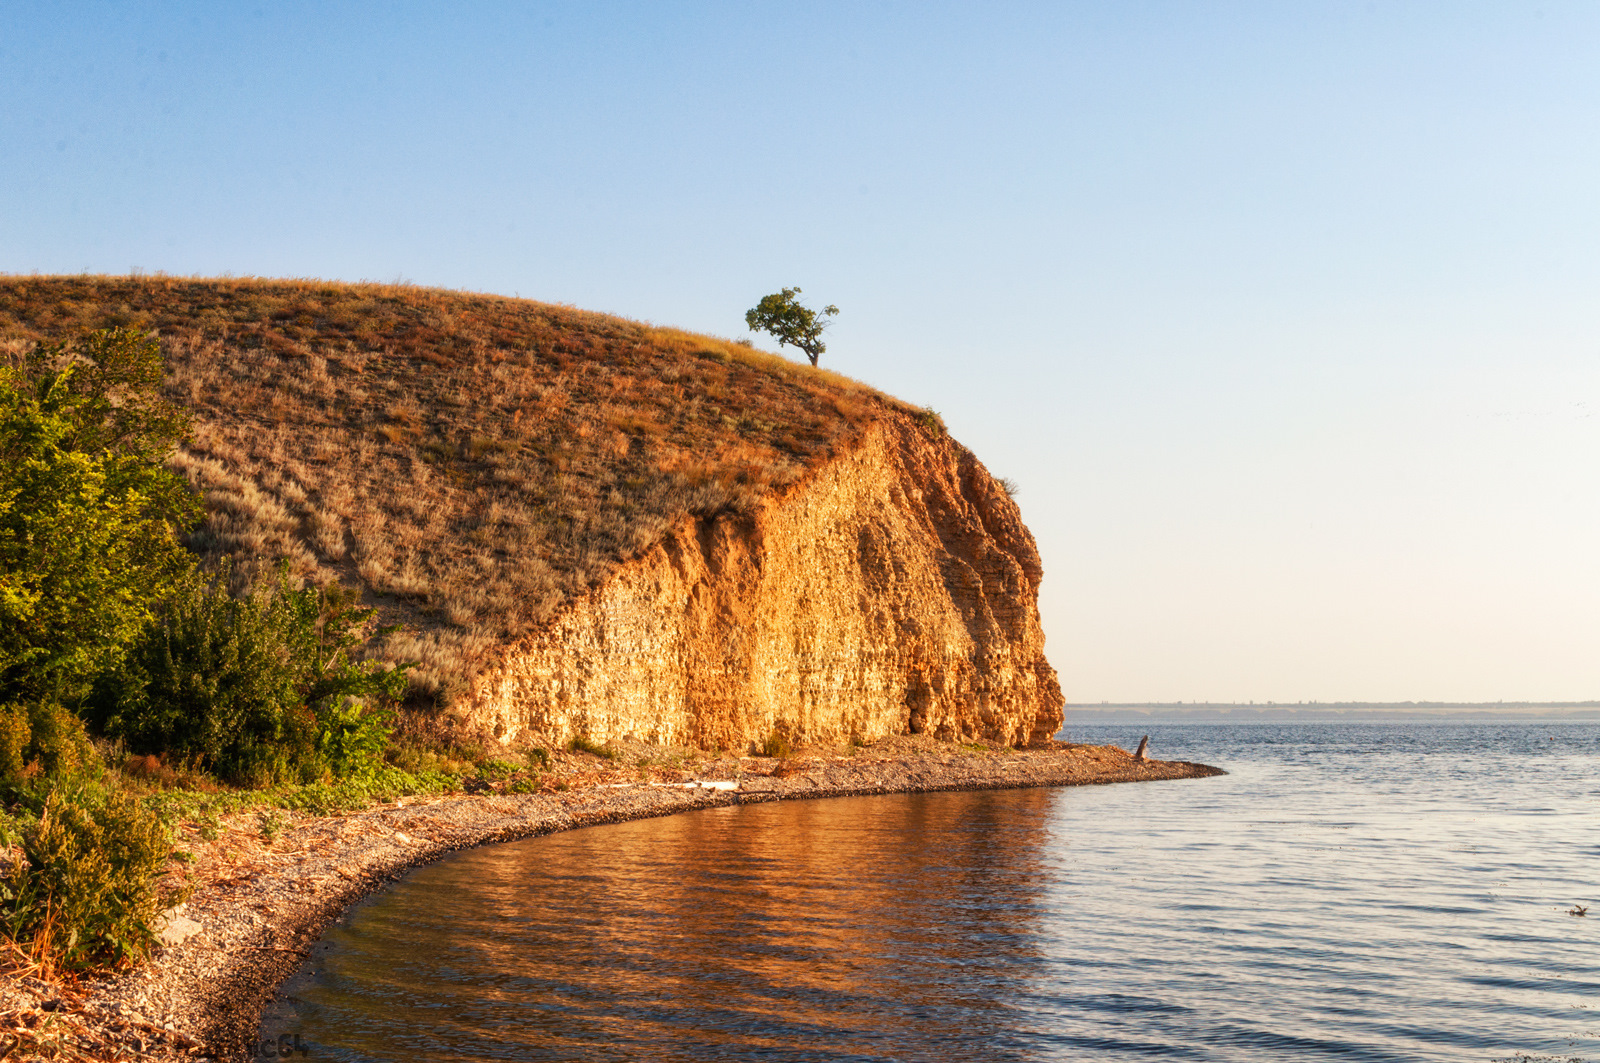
(1351, 892)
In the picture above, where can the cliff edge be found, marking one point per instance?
(893, 591)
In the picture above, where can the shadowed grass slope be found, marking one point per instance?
(471, 461)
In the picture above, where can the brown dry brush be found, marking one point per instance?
(43, 1017)
(472, 462)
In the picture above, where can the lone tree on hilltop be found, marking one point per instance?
(783, 316)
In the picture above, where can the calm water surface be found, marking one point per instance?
(1352, 892)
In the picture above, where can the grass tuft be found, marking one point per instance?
(584, 744)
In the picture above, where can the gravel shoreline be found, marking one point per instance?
(259, 906)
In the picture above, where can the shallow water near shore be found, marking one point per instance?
(1354, 892)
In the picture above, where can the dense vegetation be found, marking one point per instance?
(87, 511)
(106, 619)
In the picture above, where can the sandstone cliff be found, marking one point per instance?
(892, 591)
(593, 526)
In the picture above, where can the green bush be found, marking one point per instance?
(15, 731)
(41, 740)
(351, 737)
(211, 682)
(270, 822)
(497, 770)
(88, 890)
(258, 690)
(88, 513)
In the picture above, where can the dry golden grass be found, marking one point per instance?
(472, 461)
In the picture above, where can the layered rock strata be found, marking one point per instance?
(894, 591)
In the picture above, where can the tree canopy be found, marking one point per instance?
(89, 515)
(782, 315)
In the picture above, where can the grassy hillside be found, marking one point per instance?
(471, 461)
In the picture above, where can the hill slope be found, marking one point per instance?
(480, 465)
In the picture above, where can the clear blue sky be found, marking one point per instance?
(1285, 316)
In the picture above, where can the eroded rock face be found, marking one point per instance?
(894, 591)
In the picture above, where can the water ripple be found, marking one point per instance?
(1370, 893)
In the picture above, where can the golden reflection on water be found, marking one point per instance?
(866, 925)
(1370, 893)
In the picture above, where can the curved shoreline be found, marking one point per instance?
(251, 926)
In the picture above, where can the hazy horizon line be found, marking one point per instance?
(1332, 709)
(1575, 704)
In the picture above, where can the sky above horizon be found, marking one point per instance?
(1283, 316)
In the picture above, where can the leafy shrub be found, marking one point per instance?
(351, 737)
(88, 890)
(212, 681)
(259, 689)
(270, 822)
(498, 770)
(88, 514)
(41, 740)
(15, 731)
(777, 745)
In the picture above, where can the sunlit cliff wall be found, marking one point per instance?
(892, 591)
